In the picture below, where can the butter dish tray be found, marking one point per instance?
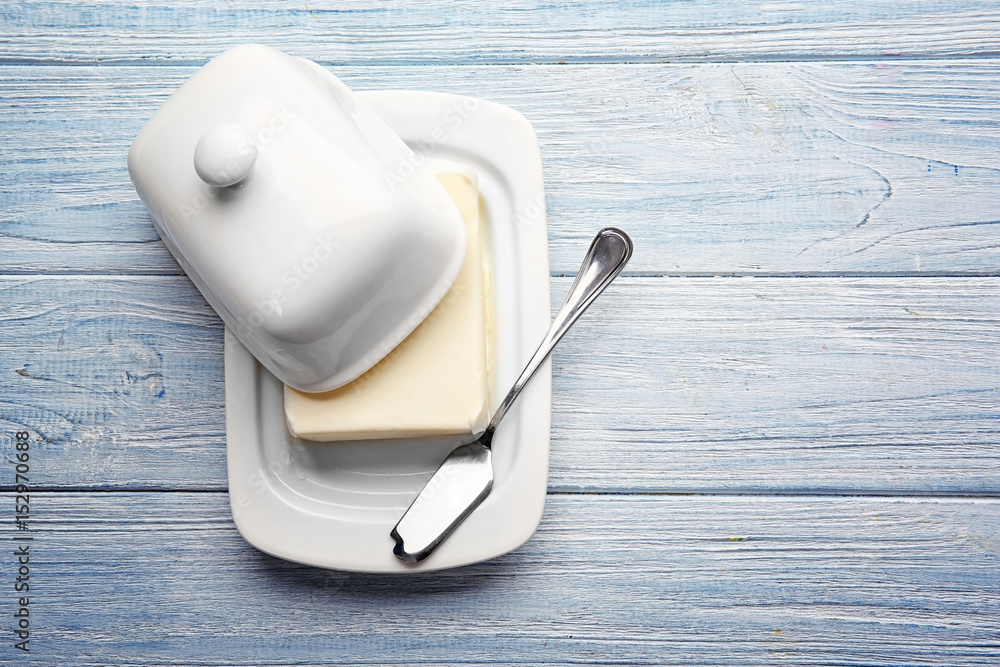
(334, 504)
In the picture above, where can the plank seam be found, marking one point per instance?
(561, 62)
(911, 494)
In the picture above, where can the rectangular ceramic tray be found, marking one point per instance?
(333, 504)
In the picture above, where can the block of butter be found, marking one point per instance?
(434, 382)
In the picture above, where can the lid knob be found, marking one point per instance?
(225, 155)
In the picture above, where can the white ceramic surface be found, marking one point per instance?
(333, 504)
(331, 242)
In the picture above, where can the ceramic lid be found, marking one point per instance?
(311, 228)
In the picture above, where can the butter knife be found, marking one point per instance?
(465, 478)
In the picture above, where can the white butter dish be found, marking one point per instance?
(305, 221)
(332, 504)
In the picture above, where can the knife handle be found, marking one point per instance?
(608, 255)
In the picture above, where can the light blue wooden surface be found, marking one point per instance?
(775, 440)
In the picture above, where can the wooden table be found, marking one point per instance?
(775, 440)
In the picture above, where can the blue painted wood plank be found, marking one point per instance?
(164, 578)
(520, 32)
(667, 384)
(759, 169)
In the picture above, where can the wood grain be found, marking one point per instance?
(669, 384)
(720, 384)
(526, 31)
(799, 467)
(764, 169)
(164, 578)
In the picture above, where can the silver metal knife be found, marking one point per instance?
(465, 478)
